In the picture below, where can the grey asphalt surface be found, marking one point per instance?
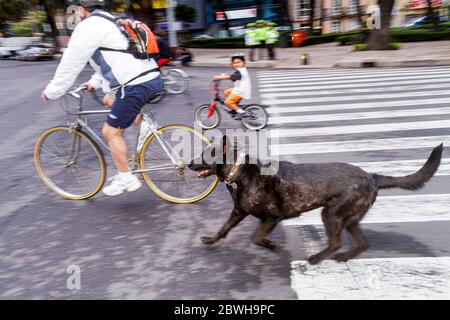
(137, 246)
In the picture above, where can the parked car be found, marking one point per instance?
(421, 21)
(202, 36)
(5, 53)
(34, 52)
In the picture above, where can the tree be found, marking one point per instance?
(12, 10)
(185, 12)
(312, 12)
(220, 4)
(379, 39)
(431, 16)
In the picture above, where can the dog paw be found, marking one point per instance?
(342, 257)
(208, 240)
(266, 244)
(314, 259)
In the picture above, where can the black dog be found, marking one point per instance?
(345, 192)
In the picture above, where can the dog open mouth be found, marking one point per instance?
(203, 173)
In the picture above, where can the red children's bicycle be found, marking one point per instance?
(208, 117)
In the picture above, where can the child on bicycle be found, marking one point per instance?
(242, 88)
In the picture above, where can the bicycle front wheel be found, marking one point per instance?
(206, 118)
(175, 182)
(69, 163)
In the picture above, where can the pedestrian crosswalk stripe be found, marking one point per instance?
(354, 78)
(351, 80)
(364, 128)
(359, 115)
(375, 72)
(279, 94)
(345, 88)
(307, 99)
(358, 145)
(402, 168)
(348, 71)
(392, 209)
(347, 75)
(378, 279)
(358, 105)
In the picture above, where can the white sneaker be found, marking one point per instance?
(119, 185)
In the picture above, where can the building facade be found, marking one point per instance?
(344, 15)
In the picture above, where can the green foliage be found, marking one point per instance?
(360, 47)
(12, 9)
(185, 12)
(363, 46)
(351, 39)
(22, 29)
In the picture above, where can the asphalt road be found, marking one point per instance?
(137, 246)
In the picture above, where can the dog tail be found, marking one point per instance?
(417, 180)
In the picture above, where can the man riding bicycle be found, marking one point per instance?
(100, 42)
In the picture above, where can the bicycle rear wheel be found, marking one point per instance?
(176, 81)
(70, 163)
(175, 182)
(256, 118)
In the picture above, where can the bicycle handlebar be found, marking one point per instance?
(74, 93)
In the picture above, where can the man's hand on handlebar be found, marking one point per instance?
(88, 86)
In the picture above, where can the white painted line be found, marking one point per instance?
(351, 106)
(359, 145)
(347, 72)
(378, 279)
(346, 75)
(391, 85)
(306, 79)
(398, 168)
(310, 98)
(360, 115)
(279, 94)
(350, 71)
(321, 83)
(402, 168)
(392, 209)
(365, 128)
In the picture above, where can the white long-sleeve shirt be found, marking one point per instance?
(112, 68)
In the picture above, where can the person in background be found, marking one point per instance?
(261, 37)
(251, 40)
(165, 54)
(273, 36)
(184, 55)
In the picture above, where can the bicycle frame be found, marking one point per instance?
(153, 128)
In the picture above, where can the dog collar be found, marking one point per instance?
(229, 180)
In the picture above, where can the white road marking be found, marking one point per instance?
(351, 106)
(365, 128)
(310, 98)
(304, 77)
(360, 115)
(349, 71)
(322, 83)
(280, 94)
(391, 85)
(402, 168)
(359, 145)
(354, 78)
(392, 209)
(362, 279)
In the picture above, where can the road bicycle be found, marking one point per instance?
(208, 117)
(70, 161)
